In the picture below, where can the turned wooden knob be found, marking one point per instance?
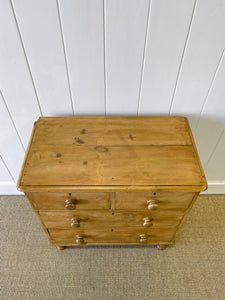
(152, 204)
(75, 222)
(147, 222)
(70, 204)
(79, 239)
(143, 238)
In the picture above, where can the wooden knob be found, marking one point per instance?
(75, 222)
(79, 239)
(147, 222)
(70, 204)
(143, 238)
(152, 204)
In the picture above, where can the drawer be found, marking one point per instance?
(152, 201)
(102, 219)
(134, 236)
(70, 201)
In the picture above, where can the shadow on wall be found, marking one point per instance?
(209, 135)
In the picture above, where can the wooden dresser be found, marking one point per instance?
(111, 180)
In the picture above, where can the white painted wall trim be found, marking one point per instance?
(215, 188)
(9, 188)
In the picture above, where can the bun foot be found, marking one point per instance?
(162, 247)
(61, 247)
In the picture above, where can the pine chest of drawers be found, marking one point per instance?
(111, 180)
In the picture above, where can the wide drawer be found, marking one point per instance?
(177, 201)
(102, 219)
(135, 236)
(70, 201)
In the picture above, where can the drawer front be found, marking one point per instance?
(70, 201)
(134, 236)
(101, 219)
(150, 201)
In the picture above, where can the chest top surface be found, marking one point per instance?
(111, 153)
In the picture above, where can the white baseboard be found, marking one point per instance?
(9, 188)
(215, 188)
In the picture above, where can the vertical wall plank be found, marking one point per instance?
(126, 23)
(4, 173)
(40, 30)
(7, 185)
(204, 49)
(11, 148)
(212, 119)
(168, 28)
(215, 168)
(82, 26)
(15, 80)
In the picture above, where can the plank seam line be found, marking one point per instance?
(219, 139)
(65, 56)
(104, 185)
(26, 58)
(210, 88)
(144, 55)
(103, 145)
(4, 163)
(183, 55)
(14, 125)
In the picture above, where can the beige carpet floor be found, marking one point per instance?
(192, 269)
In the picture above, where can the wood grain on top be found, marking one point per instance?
(111, 151)
(112, 131)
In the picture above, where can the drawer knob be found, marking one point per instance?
(147, 222)
(152, 204)
(143, 238)
(70, 204)
(75, 222)
(79, 239)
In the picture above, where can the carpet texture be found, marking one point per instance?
(192, 269)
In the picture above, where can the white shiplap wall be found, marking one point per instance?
(112, 57)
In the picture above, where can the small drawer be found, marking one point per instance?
(153, 201)
(69, 201)
(103, 219)
(135, 236)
